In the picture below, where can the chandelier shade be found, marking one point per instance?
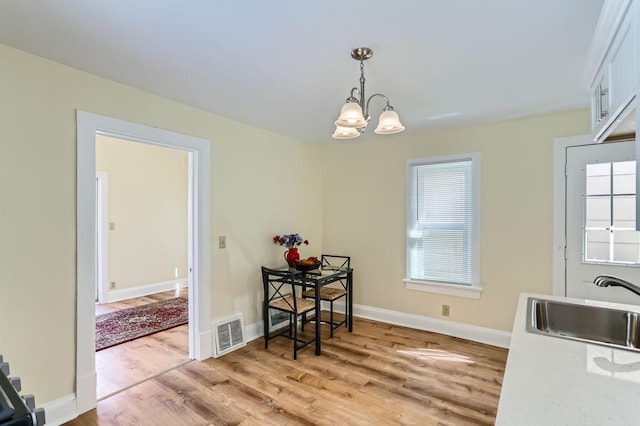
(354, 115)
(389, 123)
(351, 116)
(345, 133)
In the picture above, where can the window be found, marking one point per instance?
(443, 225)
(610, 214)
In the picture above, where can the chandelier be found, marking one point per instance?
(354, 115)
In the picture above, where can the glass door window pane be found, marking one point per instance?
(624, 212)
(597, 246)
(626, 246)
(610, 209)
(598, 212)
(624, 177)
(598, 179)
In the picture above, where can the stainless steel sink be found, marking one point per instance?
(591, 324)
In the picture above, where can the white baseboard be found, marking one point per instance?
(144, 290)
(206, 347)
(488, 336)
(254, 331)
(86, 392)
(60, 411)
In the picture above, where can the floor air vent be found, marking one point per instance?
(228, 335)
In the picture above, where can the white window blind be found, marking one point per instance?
(441, 225)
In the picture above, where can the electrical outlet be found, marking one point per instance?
(113, 285)
(445, 310)
(222, 241)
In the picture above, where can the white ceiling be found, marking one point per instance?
(285, 65)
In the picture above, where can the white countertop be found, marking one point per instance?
(554, 381)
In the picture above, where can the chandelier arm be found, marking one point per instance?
(354, 91)
(387, 107)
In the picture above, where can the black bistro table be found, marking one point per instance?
(318, 278)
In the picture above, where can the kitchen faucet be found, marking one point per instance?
(607, 280)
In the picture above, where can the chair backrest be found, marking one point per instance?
(337, 262)
(277, 284)
(331, 261)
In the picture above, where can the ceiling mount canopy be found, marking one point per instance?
(354, 114)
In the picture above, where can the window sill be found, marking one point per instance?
(448, 289)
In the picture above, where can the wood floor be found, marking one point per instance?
(380, 374)
(124, 365)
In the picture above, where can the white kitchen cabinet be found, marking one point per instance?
(612, 73)
(621, 67)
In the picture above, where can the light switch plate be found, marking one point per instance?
(222, 241)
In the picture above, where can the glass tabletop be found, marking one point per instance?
(324, 275)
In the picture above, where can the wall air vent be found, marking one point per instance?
(228, 335)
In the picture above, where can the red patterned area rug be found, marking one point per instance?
(128, 324)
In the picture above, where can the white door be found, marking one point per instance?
(600, 221)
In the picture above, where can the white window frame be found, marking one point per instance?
(473, 290)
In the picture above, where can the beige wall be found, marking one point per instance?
(364, 213)
(147, 199)
(250, 202)
(356, 207)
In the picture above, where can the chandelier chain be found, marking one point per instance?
(362, 95)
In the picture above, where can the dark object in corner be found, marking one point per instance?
(16, 410)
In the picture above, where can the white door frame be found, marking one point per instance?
(102, 235)
(88, 126)
(560, 146)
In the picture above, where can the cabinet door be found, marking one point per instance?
(622, 64)
(614, 90)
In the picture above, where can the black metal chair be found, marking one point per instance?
(331, 294)
(280, 291)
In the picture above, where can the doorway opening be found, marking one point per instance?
(90, 125)
(142, 194)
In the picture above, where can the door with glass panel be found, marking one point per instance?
(600, 220)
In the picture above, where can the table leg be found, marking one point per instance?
(318, 333)
(265, 320)
(350, 301)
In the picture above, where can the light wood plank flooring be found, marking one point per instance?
(124, 365)
(380, 374)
